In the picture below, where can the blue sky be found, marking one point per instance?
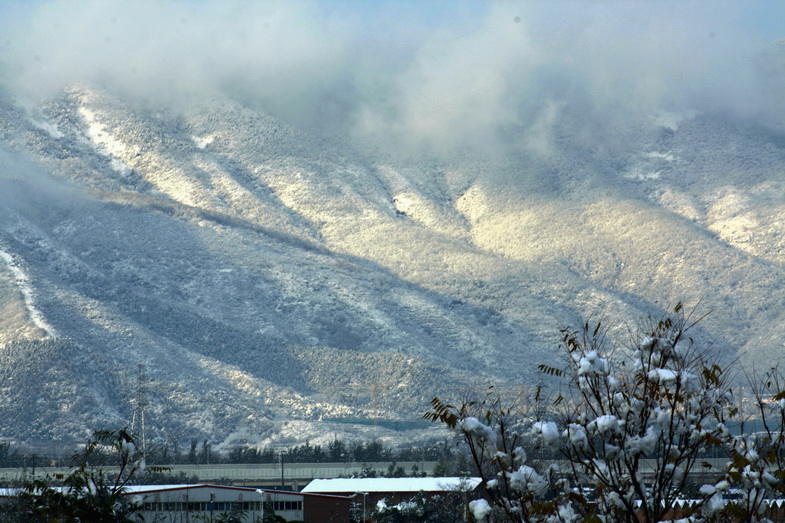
(766, 18)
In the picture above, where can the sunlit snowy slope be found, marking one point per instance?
(272, 281)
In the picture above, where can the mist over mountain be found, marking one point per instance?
(296, 215)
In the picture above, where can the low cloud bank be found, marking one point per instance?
(435, 78)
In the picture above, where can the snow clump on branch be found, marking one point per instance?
(482, 434)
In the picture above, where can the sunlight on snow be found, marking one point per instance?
(29, 296)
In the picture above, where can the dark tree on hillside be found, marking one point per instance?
(336, 450)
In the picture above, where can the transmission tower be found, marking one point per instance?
(140, 404)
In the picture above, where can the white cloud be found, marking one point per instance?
(440, 77)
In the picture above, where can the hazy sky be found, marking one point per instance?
(436, 75)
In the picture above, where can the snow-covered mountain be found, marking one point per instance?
(272, 281)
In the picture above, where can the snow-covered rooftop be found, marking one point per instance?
(392, 485)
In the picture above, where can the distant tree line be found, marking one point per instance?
(452, 459)
(335, 451)
(14, 458)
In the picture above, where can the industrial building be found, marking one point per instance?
(186, 503)
(205, 503)
(368, 493)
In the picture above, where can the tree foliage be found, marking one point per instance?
(628, 426)
(444, 508)
(95, 490)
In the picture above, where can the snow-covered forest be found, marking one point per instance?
(297, 219)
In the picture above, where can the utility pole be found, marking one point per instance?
(283, 481)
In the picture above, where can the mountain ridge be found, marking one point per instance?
(267, 279)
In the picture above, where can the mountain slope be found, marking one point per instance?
(267, 279)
